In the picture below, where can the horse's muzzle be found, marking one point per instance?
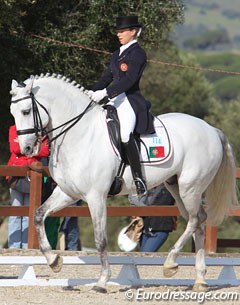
(28, 151)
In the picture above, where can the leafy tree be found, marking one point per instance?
(226, 118)
(209, 39)
(82, 22)
(225, 85)
(174, 89)
(91, 23)
(225, 61)
(227, 88)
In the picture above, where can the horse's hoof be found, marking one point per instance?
(99, 289)
(200, 287)
(170, 271)
(56, 266)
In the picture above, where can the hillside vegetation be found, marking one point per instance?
(203, 18)
(225, 85)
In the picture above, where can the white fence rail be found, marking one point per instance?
(128, 274)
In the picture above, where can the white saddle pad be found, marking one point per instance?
(156, 148)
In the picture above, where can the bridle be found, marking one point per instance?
(38, 129)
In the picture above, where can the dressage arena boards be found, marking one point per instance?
(128, 269)
(25, 279)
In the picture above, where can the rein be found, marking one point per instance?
(74, 120)
(38, 128)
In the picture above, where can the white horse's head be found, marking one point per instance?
(31, 117)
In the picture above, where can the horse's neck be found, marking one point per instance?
(66, 102)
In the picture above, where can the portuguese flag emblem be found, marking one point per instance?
(156, 152)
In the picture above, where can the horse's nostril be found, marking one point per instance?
(28, 150)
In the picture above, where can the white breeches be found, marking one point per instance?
(126, 115)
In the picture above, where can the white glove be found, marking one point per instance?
(99, 95)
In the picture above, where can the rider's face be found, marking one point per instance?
(126, 35)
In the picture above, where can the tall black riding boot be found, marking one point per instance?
(132, 153)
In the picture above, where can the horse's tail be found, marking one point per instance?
(221, 194)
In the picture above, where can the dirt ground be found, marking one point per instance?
(116, 294)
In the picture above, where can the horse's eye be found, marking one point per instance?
(26, 111)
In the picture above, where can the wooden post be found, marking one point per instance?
(36, 174)
(211, 239)
(35, 202)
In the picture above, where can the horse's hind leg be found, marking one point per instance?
(189, 209)
(55, 202)
(195, 228)
(99, 218)
(199, 238)
(170, 266)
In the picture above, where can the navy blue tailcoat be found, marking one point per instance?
(123, 75)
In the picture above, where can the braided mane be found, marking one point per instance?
(61, 77)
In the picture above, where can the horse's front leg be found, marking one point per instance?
(55, 202)
(98, 212)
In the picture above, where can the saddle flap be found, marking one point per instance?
(113, 125)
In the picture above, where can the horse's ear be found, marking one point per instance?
(13, 87)
(30, 85)
(14, 84)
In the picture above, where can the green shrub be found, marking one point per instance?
(227, 88)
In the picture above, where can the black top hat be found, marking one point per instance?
(124, 22)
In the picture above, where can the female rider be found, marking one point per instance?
(120, 84)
